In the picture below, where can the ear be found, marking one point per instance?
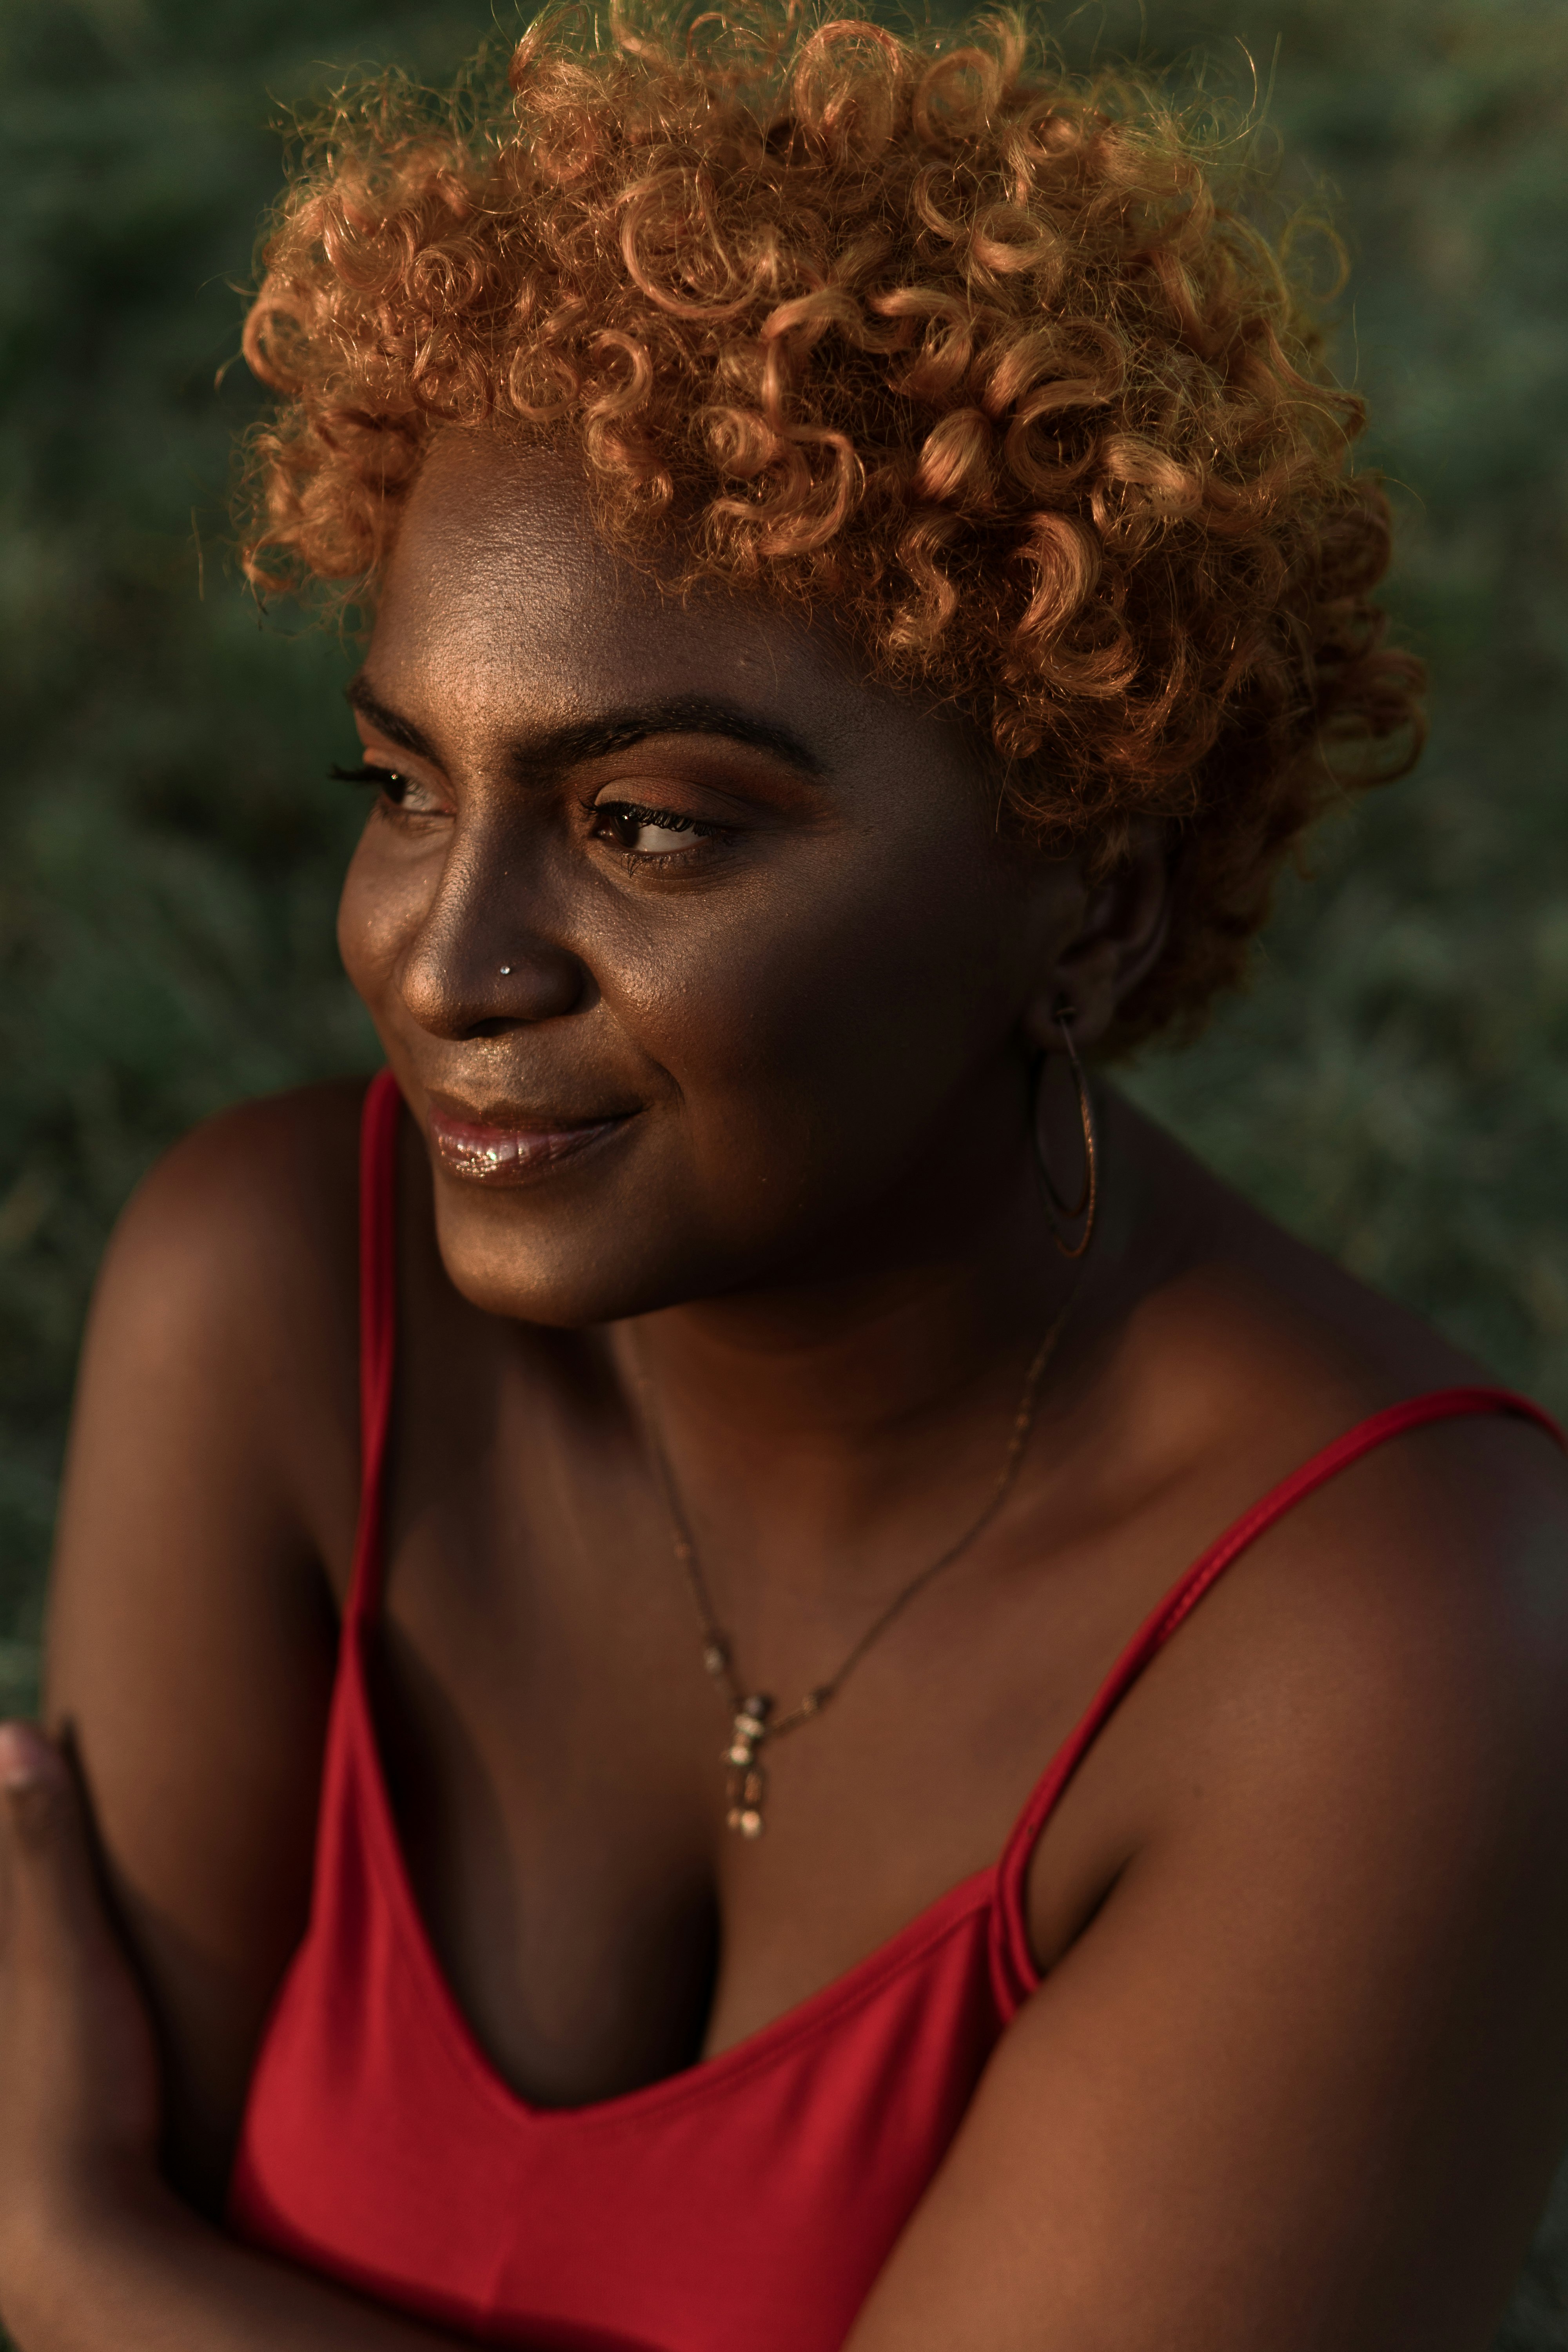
(1120, 930)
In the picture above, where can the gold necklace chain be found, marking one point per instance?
(753, 1722)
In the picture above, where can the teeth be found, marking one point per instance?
(495, 1154)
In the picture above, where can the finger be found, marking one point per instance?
(55, 1911)
(69, 1992)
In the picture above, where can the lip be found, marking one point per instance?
(515, 1146)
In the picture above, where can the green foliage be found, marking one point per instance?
(1396, 1085)
(170, 852)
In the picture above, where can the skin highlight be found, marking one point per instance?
(657, 986)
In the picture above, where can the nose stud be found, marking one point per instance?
(506, 971)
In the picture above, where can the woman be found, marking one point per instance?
(575, 1562)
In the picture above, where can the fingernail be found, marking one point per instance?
(25, 1756)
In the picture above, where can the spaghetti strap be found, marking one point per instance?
(1013, 1973)
(377, 1324)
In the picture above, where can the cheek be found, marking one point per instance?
(821, 1028)
(379, 910)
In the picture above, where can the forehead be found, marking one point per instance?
(501, 598)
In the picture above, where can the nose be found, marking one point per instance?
(490, 952)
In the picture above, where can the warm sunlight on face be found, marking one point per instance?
(700, 956)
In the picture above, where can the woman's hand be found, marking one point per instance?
(78, 2070)
(97, 2254)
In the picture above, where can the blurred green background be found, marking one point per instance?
(1396, 1085)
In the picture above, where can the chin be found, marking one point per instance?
(568, 1273)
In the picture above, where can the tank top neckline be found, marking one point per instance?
(998, 1885)
(703, 2077)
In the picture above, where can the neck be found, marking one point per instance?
(851, 1361)
(826, 1418)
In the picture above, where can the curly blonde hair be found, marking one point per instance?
(988, 357)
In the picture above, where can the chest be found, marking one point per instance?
(555, 1753)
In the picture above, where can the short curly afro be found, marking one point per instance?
(987, 359)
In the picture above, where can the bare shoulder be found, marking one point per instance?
(1397, 1639)
(265, 1193)
(213, 1451)
(1388, 1648)
(230, 1284)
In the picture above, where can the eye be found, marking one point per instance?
(403, 791)
(647, 832)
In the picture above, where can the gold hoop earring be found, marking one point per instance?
(1057, 1207)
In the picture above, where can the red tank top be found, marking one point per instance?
(748, 2200)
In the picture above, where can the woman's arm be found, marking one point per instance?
(1302, 2080)
(97, 2254)
(209, 1511)
(209, 1506)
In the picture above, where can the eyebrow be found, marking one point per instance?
(615, 730)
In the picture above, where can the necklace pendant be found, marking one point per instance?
(747, 1790)
(748, 1783)
(748, 1731)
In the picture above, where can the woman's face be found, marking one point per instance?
(698, 956)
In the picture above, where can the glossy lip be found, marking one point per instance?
(488, 1152)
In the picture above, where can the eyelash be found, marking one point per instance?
(393, 784)
(384, 778)
(667, 820)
